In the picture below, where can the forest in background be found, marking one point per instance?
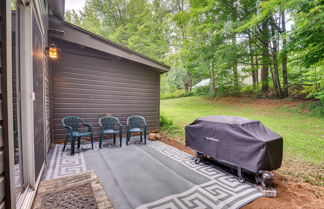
(277, 43)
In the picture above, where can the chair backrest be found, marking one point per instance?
(136, 121)
(109, 122)
(73, 122)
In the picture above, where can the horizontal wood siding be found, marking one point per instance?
(40, 83)
(90, 84)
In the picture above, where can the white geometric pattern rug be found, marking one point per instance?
(63, 164)
(221, 191)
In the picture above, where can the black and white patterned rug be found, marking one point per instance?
(219, 190)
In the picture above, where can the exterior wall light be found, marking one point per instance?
(53, 51)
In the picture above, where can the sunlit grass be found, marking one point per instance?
(303, 135)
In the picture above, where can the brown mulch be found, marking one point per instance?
(291, 193)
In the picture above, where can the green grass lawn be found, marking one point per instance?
(303, 135)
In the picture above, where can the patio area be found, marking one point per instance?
(155, 175)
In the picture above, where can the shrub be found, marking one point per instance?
(250, 89)
(169, 126)
(224, 91)
(202, 91)
(317, 109)
(176, 94)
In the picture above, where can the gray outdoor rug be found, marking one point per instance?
(155, 175)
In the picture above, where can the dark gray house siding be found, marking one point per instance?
(40, 85)
(90, 84)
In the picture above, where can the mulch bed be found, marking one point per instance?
(81, 190)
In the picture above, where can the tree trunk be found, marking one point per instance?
(190, 81)
(284, 56)
(274, 51)
(212, 79)
(253, 72)
(257, 70)
(252, 62)
(235, 72)
(265, 57)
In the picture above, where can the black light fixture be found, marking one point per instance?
(52, 51)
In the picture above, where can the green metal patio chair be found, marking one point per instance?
(136, 124)
(110, 125)
(74, 124)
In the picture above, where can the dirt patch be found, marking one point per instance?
(166, 139)
(261, 104)
(291, 193)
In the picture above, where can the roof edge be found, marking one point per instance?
(163, 67)
(57, 8)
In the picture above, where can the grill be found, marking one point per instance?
(245, 144)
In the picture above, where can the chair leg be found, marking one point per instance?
(100, 140)
(72, 145)
(79, 142)
(120, 139)
(114, 139)
(141, 136)
(144, 137)
(67, 138)
(91, 137)
(127, 138)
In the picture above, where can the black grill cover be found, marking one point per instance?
(235, 140)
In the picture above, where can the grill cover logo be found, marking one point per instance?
(212, 139)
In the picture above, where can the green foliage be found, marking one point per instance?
(250, 90)
(317, 109)
(176, 94)
(137, 24)
(202, 91)
(307, 40)
(320, 95)
(13, 5)
(177, 77)
(223, 91)
(306, 82)
(216, 39)
(169, 126)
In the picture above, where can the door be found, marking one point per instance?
(38, 86)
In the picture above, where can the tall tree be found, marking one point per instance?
(265, 39)
(284, 54)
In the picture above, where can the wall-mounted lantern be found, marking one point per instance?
(53, 52)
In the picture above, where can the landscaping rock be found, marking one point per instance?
(154, 136)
